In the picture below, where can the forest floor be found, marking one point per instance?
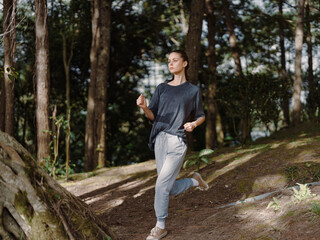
(123, 196)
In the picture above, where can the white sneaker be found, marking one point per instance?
(202, 184)
(157, 233)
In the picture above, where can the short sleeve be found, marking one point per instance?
(198, 106)
(154, 103)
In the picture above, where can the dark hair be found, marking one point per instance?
(185, 58)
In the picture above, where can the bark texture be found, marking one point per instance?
(297, 84)
(284, 75)
(42, 80)
(311, 83)
(193, 46)
(211, 134)
(34, 206)
(9, 12)
(95, 137)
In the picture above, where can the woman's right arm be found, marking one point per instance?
(142, 103)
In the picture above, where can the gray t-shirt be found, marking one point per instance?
(172, 107)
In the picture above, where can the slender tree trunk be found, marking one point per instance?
(284, 75)
(232, 38)
(296, 102)
(219, 127)
(212, 78)
(9, 13)
(97, 96)
(66, 64)
(35, 206)
(311, 84)
(193, 44)
(42, 80)
(90, 124)
(102, 76)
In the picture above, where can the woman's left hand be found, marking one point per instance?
(189, 126)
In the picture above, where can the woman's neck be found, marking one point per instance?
(178, 79)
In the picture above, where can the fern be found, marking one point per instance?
(275, 204)
(303, 193)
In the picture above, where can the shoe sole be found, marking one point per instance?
(206, 184)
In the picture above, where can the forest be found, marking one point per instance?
(71, 71)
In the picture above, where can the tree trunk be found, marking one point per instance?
(2, 104)
(193, 44)
(311, 84)
(212, 78)
(97, 96)
(232, 38)
(284, 75)
(193, 47)
(296, 102)
(35, 206)
(42, 80)
(66, 64)
(9, 13)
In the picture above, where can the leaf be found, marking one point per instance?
(205, 152)
(206, 160)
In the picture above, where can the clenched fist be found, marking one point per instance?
(141, 101)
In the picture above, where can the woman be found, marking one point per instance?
(170, 109)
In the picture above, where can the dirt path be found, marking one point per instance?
(123, 196)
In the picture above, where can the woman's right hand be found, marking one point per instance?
(141, 101)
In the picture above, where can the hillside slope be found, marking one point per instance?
(124, 196)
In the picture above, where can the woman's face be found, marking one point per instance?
(176, 63)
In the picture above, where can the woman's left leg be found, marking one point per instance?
(165, 185)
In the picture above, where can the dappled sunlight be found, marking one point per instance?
(260, 219)
(234, 164)
(143, 191)
(269, 183)
(131, 185)
(105, 206)
(307, 156)
(276, 145)
(297, 143)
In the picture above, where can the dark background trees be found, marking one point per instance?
(246, 69)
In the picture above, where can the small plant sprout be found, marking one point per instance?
(315, 209)
(303, 193)
(275, 204)
(198, 159)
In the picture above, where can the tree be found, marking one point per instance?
(9, 25)
(296, 102)
(213, 127)
(284, 75)
(67, 57)
(232, 38)
(42, 80)
(311, 84)
(95, 150)
(35, 206)
(193, 44)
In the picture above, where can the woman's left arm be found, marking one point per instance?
(190, 126)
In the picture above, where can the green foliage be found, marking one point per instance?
(301, 194)
(315, 209)
(202, 157)
(274, 204)
(306, 172)
(249, 99)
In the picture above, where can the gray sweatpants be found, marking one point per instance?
(170, 151)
